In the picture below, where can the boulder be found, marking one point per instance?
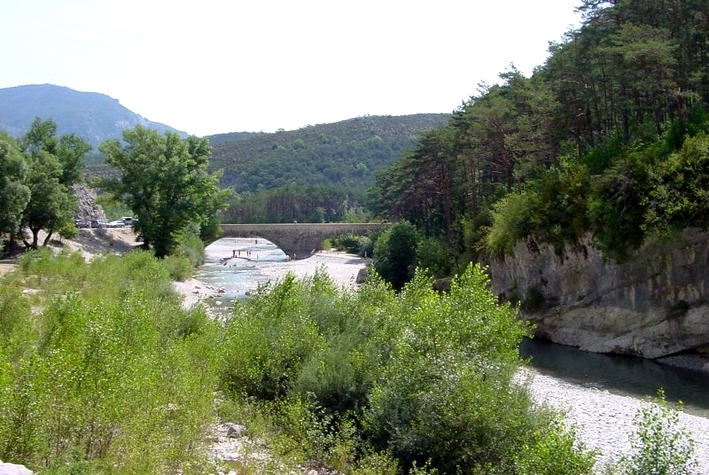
(234, 431)
(14, 469)
(362, 276)
(442, 285)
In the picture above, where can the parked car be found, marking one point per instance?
(117, 223)
(82, 223)
(128, 220)
(99, 223)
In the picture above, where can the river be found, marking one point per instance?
(236, 265)
(256, 259)
(625, 375)
(601, 393)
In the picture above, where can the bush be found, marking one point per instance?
(359, 245)
(268, 340)
(191, 247)
(511, 221)
(448, 397)
(415, 380)
(178, 267)
(113, 375)
(616, 207)
(395, 254)
(659, 445)
(436, 256)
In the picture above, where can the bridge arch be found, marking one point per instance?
(297, 240)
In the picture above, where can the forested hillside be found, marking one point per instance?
(607, 137)
(316, 173)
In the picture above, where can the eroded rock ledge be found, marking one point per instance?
(653, 305)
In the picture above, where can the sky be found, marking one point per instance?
(215, 66)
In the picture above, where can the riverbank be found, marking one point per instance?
(341, 267)
(604, 421)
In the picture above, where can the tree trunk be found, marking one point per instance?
(46, 239)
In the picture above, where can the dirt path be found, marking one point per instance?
(89, 242)
(96, 241)
(6, 265)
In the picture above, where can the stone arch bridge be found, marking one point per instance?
(298, 240)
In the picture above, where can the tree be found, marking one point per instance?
(55, 164)
(14, 192)
(165, 182)
(51, 206)
(395, 254)
(69, 149)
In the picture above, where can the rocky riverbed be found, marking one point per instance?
(604, 421)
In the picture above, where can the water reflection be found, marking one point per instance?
(637, 377)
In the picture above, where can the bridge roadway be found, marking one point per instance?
(298, 240)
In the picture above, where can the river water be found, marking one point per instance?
(622, 375)
(240, 274)
(238, 265)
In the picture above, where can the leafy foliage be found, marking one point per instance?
(586, 145)
(14, 192)
(164, 180)
(395, 254)
(343, 154)
(422, 377)
(109, 374)
(359, 245)
(317, 173)
(55, 164)
(660, 445)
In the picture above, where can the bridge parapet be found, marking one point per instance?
(298, 240)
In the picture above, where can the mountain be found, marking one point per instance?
(343, 154)
(93, 116)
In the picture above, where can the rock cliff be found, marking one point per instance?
(87, 208)
(654, 304)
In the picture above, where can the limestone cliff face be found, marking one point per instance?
(87, 208)
(653, 305)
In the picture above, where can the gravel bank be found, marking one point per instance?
(341, 267)
(605, 421)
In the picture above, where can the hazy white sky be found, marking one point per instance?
(214, 66)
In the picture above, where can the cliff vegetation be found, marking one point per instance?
(608, 137)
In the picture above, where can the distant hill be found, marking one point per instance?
(93, 116)
(343, 154)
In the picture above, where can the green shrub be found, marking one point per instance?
(447, 397)
(178, 267)
(659, 444)
(190, 246)
(436, 256)
(268, 339)
(616, 207)
(415, 380)
(347, 242)
(679, 196)
(114, 376)
(395, 253)
(511, 221)
(359, 245)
